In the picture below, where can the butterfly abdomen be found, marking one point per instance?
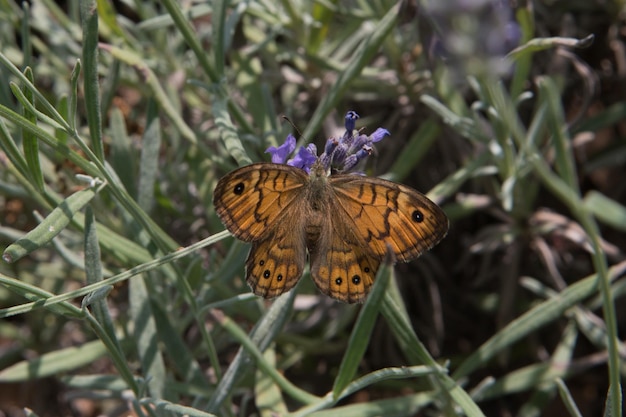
(317, 197)
(313, 230)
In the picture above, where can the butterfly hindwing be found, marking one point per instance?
(341, 266)
(251, 200)
(386, 214)
(275, 264)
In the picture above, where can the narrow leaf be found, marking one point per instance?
(606, 210)
(51, 226)
(89, 19)
(30, 143)
(55, 362)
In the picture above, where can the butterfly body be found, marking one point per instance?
(346, 223)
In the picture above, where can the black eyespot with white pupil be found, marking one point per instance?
(239, 187)
(266, 274)
(338, 281)
(417, 216)
(279, 277)
(356, 280)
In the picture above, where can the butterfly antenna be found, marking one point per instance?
(292, 125)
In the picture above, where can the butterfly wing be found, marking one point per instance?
(251, 200)
(341, 265)
(262, 204)
(386, 214)
(275, 264)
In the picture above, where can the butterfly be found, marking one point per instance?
(344, 223)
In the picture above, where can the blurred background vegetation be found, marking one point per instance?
(121, 294)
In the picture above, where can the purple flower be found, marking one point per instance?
(379, 134)
(280, 154)
(340, 155)
(344, 155)
(355, 158)
(350, 119)
(305, 157)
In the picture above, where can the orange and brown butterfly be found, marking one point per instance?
(313, 207)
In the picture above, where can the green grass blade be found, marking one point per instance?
(540, 44)
(52, 225)
(52, 363)
(365, 381)
(93, 271)
(178, 410)
(268, 396)
(228, 133)
(27, 45)
(8, 146)
(40, 296)
(122, 155)
(568, 400)
(606, 210)
(146, 339)
(30, 143)
(559, 131)
(149, 161)
(89, 18)
(73, 96)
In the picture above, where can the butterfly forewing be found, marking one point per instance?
(251, 200)
(386, 214)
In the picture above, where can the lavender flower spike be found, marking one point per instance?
(340, 155)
